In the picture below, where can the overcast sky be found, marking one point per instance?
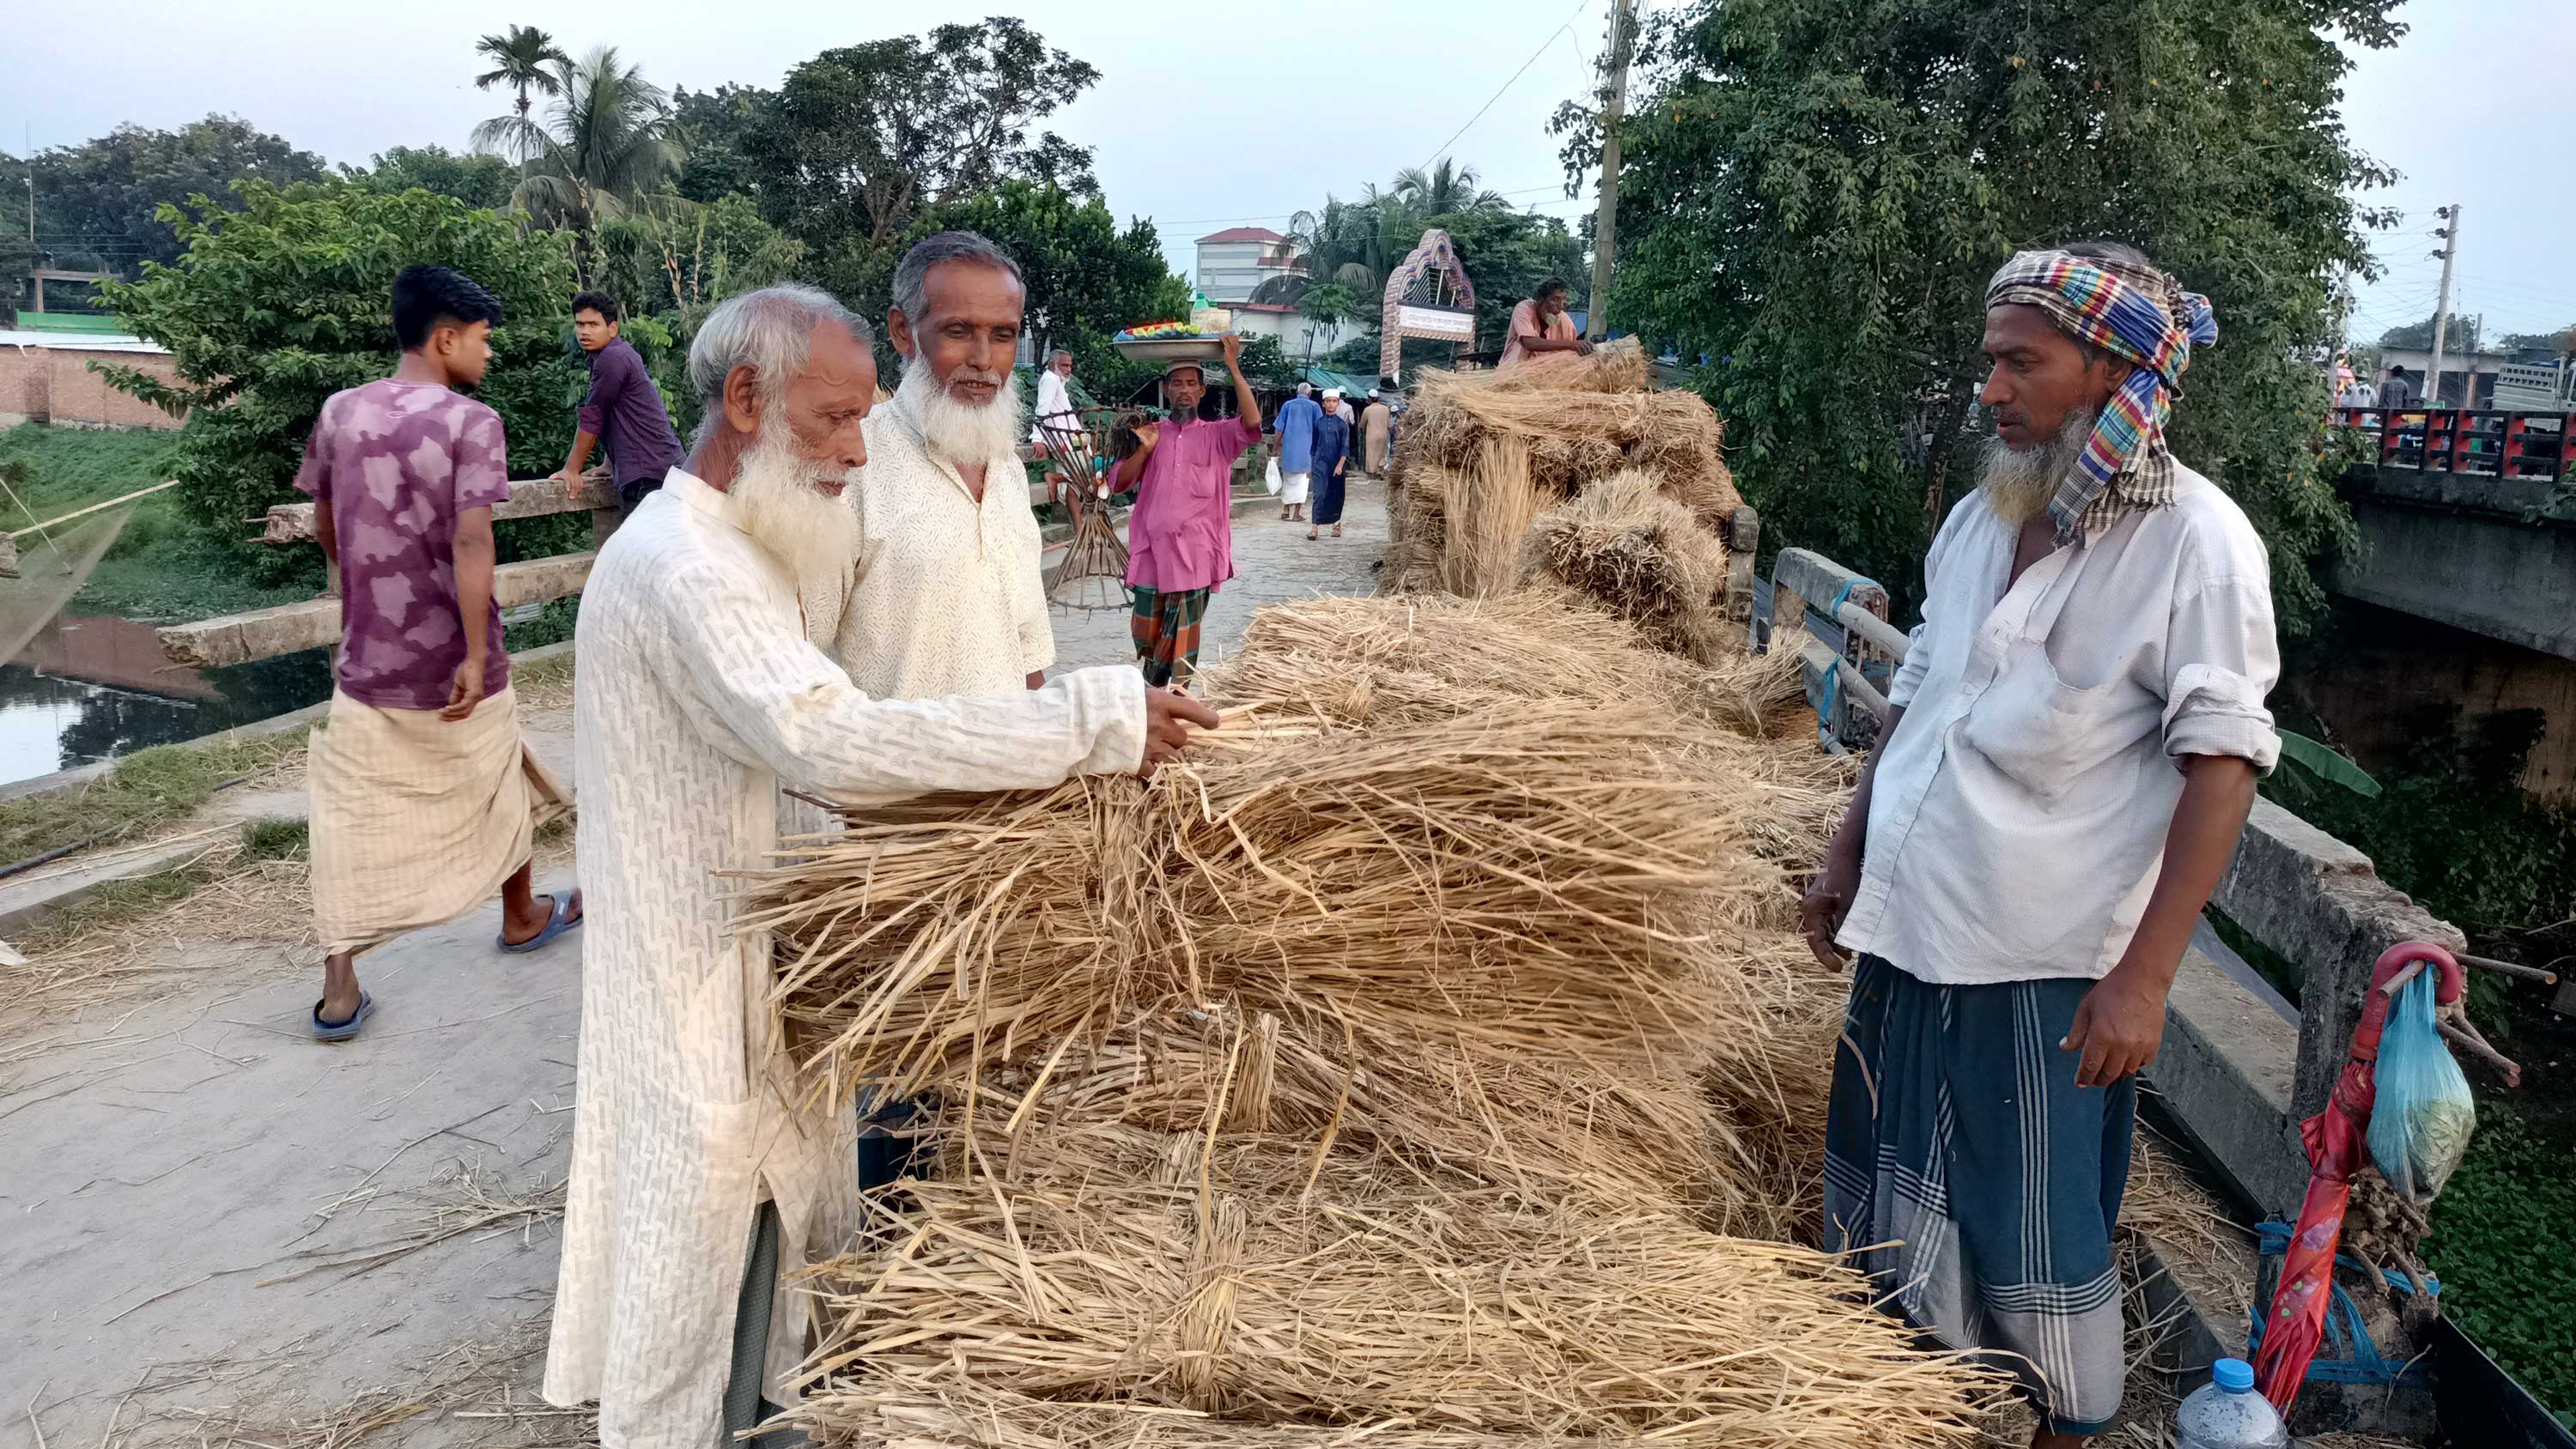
(1202, 121)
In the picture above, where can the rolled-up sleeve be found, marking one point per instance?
(607, 377)
(2222, 657)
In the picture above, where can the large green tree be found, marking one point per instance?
(477, 180)
(604, 147)
(1818, 190)
(1449, 186)
(2458, 336)
(860, 141)
(710, 127)
(97, 203)
(272, 308)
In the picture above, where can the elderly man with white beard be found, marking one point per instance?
(945, 594)
(698, 696)
(2068, 765)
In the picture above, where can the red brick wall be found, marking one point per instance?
(54, 384)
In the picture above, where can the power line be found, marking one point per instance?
(1565, 29)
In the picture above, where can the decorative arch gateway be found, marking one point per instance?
(1428, 295)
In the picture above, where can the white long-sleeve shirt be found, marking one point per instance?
(1054, 406)
(947, 595)
(698, 695)
(2018, 818)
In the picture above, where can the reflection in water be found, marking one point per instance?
(93, 688)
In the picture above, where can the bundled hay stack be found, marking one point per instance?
(1625, 1138)
(1197, 1274)
(1626, 544)
(1482, 455)
(1525, 885)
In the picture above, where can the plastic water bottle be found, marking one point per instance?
(2226, 1413)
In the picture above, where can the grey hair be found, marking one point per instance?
(912, 277)
(770, 331)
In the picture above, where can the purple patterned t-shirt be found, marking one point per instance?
(397, 461)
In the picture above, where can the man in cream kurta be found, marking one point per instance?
(947, 595)
(698, 696)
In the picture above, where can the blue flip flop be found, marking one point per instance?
(343, 1030)
(556, 925)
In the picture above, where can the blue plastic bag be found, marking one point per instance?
(2420, 1125)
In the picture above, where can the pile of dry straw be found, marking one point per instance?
(1430, 1059)
(1569, 469)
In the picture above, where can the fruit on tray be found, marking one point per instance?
(1157, 331)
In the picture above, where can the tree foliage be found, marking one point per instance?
(605, 146)
(273, 308)
(1819, 190)
(1359, 244)
(709, 128)
(1086, 277)
(524, 59)
(97, 204)
(863, 139)
(482, 182)
(2458, 336)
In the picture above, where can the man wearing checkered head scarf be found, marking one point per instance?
(2068, 760)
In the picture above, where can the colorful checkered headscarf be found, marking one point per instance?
(2137, 313)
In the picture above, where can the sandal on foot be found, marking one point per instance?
(343, 1030)
(555, 926)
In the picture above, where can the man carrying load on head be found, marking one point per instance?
(2070, 758)
(1180, 539)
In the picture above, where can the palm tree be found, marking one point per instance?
(608, 146)
(519, 59)
(1446, 189)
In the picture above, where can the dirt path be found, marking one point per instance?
(218, 1227)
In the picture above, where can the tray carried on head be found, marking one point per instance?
(1207, 347)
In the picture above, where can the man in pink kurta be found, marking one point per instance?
(1539, 324)
(1180, 539)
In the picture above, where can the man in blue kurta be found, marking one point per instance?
(1331, 459)
(1297, 418)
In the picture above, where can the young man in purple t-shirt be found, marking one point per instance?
(425, 799)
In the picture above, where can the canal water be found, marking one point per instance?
(94, 688)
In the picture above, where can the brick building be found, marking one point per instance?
(45, 377)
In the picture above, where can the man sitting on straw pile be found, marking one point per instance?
(1539, 325)
(945, 595)
(2077, 730)
(425, 798)
(1180, 539)
(698, 695)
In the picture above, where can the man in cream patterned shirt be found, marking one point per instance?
(944, 595)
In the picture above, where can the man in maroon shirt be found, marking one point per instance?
(624, 411)
(425, 799)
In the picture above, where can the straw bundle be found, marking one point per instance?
(1639, 554)
(1630, 1137)
(1618, 366)
(1197, 1274)
(1530, 884)
(1575, 437)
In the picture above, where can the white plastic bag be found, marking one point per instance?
(1270, 477)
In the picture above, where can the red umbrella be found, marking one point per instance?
(2296, 1323)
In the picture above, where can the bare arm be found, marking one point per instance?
(2121, 1021)
(474, 552)
(1246, 405)
(582, 443)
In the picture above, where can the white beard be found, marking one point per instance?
(2018, 484)
(962, 434)
(814, 536)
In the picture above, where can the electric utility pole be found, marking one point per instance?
(1605, 226)
(2449, 252)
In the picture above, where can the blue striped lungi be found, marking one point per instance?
(1959, 1149)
